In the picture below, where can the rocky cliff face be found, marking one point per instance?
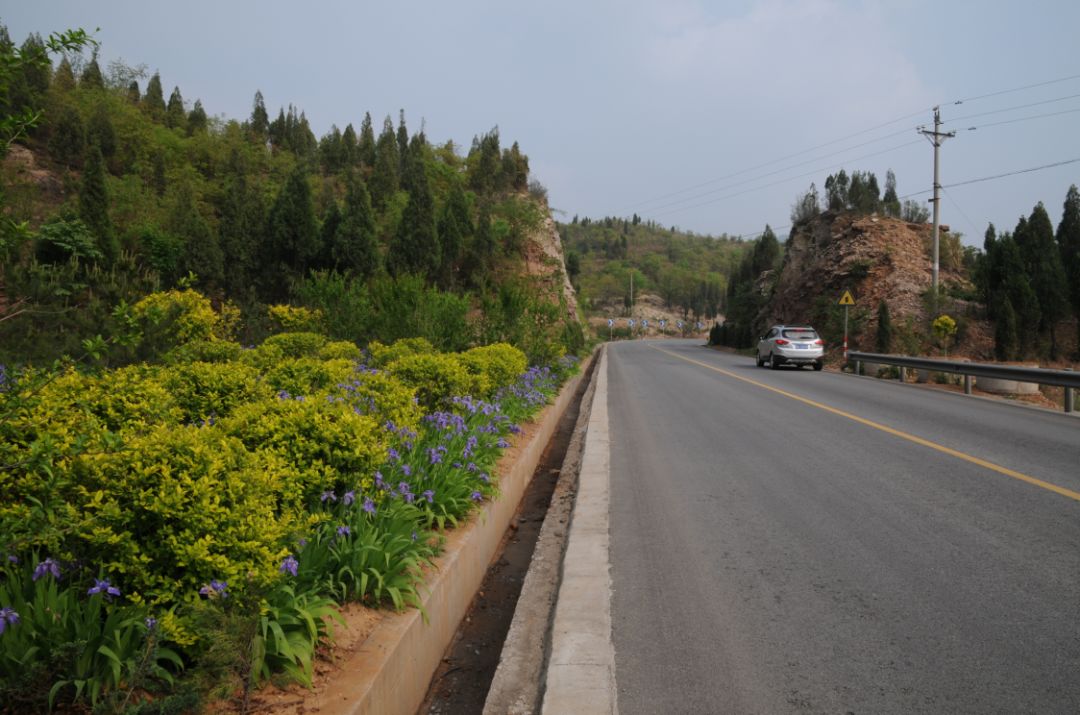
(876, 258)
(544, 260)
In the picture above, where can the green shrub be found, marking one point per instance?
(340, 350)
(436, 377)
(383, 355)
(381, 395)
(263, 356)
(171, 318)
(307, 376)
(204, 351)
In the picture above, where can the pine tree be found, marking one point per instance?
(175, 116)
(328, 230)
(240, 229)
(415, 248)
(29, 84)
(402, 142)
(890, 202)
(133, 94)
(260, 120)
(67, 139)
(202, 252)
(91, 77)
(348, 147)
(157, 179)
(484, 163)
(1006, 339)
(766, 253)
(1015, 283)
(276, 131)
(153, 100)
(331, 152)
(384, 176)
(365, 148)
(94, 205)
(354, 249)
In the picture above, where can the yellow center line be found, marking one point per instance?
(889, 430)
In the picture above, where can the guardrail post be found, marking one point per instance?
(967, 384)
(858, 367)
(903, 374)
(1068, 396)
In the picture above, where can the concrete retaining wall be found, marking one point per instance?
(390, 673)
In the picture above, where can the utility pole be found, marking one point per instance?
(936, 137)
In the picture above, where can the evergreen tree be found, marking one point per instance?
(153, 100)
(480, 254)
(807, 206)
(765, 254)
(64, 78)
(455, 229)
(484, 163)
(366, 145)
(1015, 283)
(27, 85)
(884, 328)
(133, 94)
(175, 116)
(91, 77)
(402, 142)
(202, 253)
(983, 264)
(240, 228)
(890, 203)
(415, 248)
(1047, 274)
(94, 205)
(384, 176)
(260, 120)
(196, 119)
(276, 131)
(328, 231)
(836, 191)
(331, 151)
(157, 179)
(304, 143)
(348, 147)
(1068, 240)
(355, 249)
(100, 131)
(67, 140)
(1006, 339)
(292, 233)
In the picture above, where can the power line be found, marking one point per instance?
(1013, 173)
(1011, 109)
(1016, 89)
(1021, 119)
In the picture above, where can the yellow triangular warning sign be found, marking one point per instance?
(846, 298)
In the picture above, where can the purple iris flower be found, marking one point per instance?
(429, 495)
(215, 589)
(476, 496)
(151, 623)
(393, 455)
(48, 566)
(406, 470)
(12, 558)
(289, 565)
(103, 587)
(349, 498)
(327, 496)
(369, 506)
(8, 617)
(343, 530)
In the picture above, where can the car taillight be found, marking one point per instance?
(819, 341)
(781, 341)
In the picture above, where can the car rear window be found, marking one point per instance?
(800, 334)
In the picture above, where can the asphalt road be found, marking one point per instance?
(772, 554)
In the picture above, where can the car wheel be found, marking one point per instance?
(758, 360)
(818, 366)
(773, 362)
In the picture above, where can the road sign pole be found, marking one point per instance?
(845, 333)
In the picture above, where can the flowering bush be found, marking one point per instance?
(496, 366)
(379, 394)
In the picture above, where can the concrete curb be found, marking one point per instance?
(581, 666)
(517, 686)
(391, 671)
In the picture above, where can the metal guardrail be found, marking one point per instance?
(1060, 378)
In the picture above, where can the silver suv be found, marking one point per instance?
(791, 345)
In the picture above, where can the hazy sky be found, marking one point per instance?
(625, 106)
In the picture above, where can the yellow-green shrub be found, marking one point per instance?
(326, 445)
(496, 366)
(262, 356)
(175, 317)
(204, 389)
(296, 345)
(307, 376)
(381, 395)
(340, 350)
(383, 355)
(204, 351)
(435, 376)
(292, 318)
(178, 507)
(129, 398)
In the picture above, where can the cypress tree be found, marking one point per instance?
(1047, 274)
(365, 148)
(277, 130)
(354, 248)
(455, 229)
(153, 100)
(1068, 240)
(765, 254)
(196, 119)
(28, 86)
(292, 233)
(1015, 283)
(64, 77)
(415, 248)
(202, 252)
(91, 77)
(133, 95)
(331, 153)
(94, 205)
(890, 202)
(348, 147)
(100, 131)
(384, 176)
(884, 328)
(260, 120)
(157, 178)
(402, 142)
(240, 229)
(1006, 340)
(67, 140)
(175, 116)
(481, 250)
